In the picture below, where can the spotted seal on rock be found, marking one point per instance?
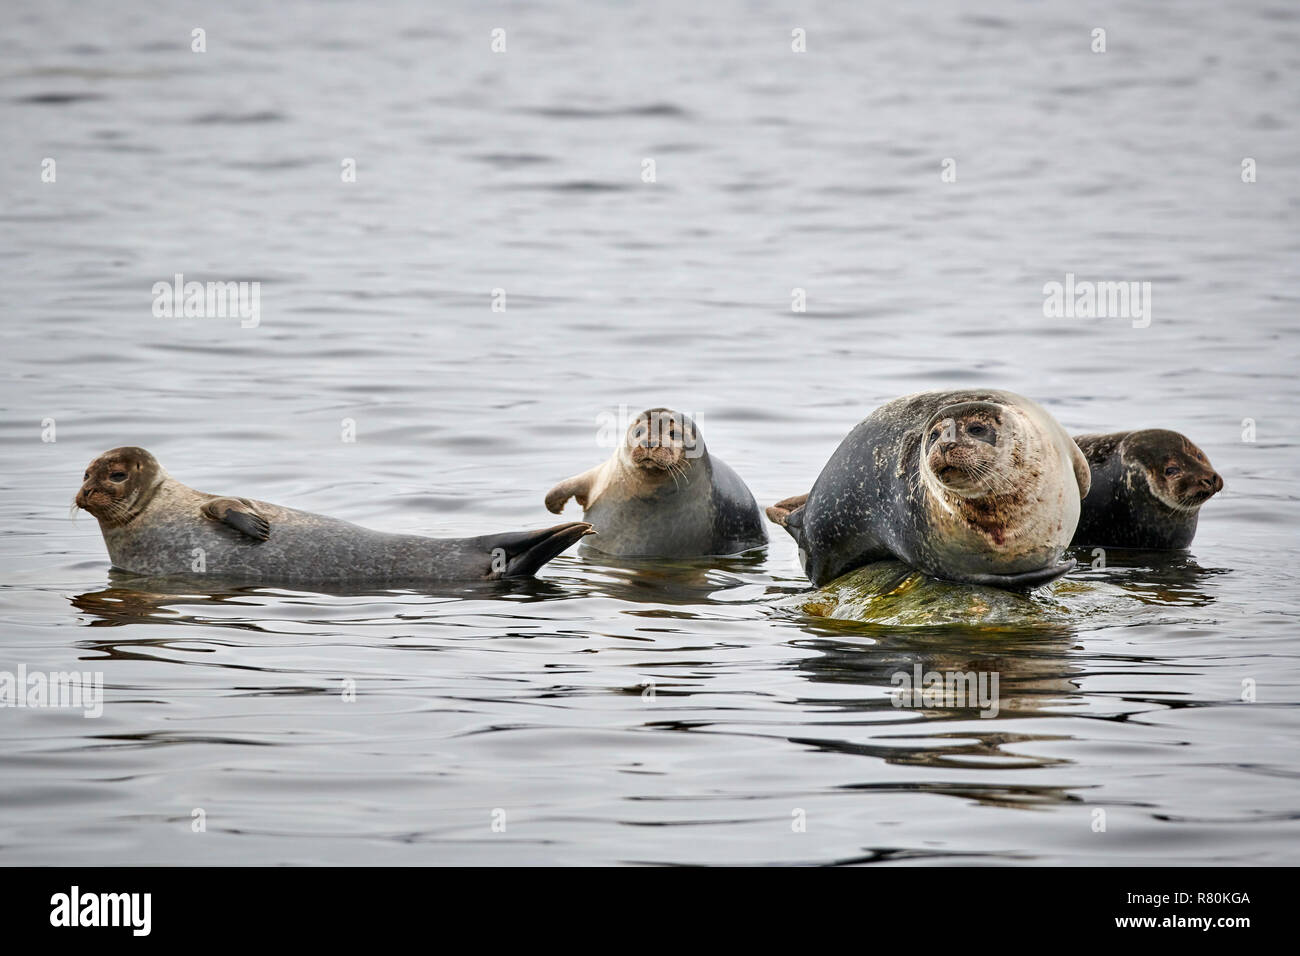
(154, 525)
(973, 486)
(662, 494)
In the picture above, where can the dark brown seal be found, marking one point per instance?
(1147, 489)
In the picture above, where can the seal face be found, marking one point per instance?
(152, 524)
(980, 487)
(1147, 489)
(119, 484)
(662, 494)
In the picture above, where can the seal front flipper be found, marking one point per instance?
(1082, 470)
(578, 488)
(521, 553)
(1025, 581)
(239, 514)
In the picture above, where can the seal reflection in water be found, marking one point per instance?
(978, 487)
(661, 494)
(1147, 489)
(154, 525)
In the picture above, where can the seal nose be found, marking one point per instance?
(1214, 482)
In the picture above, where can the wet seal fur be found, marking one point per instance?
(662, 494)
(152, 525)
(977, 487)
(1147, 490)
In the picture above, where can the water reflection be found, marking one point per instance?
(1035, 676)
(677, 581)
(138, 599)
(1173, 578)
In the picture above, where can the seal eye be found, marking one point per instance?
(117, 476)
(86, 476)
(975, 430)
(1173, 470)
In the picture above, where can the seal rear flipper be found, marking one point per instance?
(523, 552)
(781, 512)
(238, 513)
(789, 514)
(1025, 581)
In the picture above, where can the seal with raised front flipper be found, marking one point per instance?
(154, 525)
(978, 487)
(661, 494)
(1147, 490)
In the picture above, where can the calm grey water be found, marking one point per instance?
(522, 171)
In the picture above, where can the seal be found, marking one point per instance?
(154, 525)
(1147, 489)
(977, 487)
(662, 494)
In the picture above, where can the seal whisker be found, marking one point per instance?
(997, 484)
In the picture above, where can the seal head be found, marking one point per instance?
(967, 450)
(989, 468)
(660, 445)
(119, 484)
(1176, 472)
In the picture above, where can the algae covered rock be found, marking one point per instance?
(891, 593)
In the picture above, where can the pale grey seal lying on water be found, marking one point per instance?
(662, 494)
(1147, 489)
(154, 525)
(973, 486)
